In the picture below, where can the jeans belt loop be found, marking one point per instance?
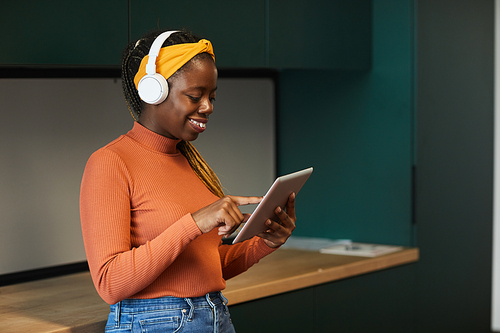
(191, 308)
(118, 312)
(224, 301)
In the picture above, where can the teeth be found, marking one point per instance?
(202, 125)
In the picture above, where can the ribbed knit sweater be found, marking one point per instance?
(137, 196)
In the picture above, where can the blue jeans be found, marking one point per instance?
(207, 313)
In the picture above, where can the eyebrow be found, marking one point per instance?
(202, 88)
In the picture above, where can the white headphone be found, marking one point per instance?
(153, 87)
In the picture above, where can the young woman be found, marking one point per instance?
(153, 213)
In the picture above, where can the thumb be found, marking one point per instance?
(246, 216)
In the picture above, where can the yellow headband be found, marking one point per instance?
(173, 57)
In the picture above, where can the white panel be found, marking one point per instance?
(495, 309)
(51, 126)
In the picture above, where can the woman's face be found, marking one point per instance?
(184, 114)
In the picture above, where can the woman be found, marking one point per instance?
(153, 213)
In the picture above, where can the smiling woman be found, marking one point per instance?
(153, 212)
(184, 115)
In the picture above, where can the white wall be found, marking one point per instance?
(50, 127)
(495, 309)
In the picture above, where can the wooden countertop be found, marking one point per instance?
(287, 270)
(71, 304)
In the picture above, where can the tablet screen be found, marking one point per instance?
(277, 195)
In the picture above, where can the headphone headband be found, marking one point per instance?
(155, 50)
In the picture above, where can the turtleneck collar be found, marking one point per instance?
(153, 140)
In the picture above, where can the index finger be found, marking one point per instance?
(241, 201)
(290, 206)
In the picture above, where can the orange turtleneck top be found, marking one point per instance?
(137, 196)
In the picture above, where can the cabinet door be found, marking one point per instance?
(235, 28)
(62, 32)
(333, 34)
(379, 302)
(288, 312)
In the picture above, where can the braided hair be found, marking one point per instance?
(131, 60)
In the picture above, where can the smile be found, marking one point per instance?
(202, 125)
(199, 126)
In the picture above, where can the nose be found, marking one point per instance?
(206, 107)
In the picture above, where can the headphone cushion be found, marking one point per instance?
(153, 89)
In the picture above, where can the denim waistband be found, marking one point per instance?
(131, 305)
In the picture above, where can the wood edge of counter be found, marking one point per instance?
(321, 276)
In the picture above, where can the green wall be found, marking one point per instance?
(356, 129)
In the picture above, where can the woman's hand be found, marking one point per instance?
(278, 232)
(224, 214)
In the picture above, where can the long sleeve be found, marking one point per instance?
(118, 269)
(237, 258)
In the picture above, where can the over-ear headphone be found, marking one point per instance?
(153, 87)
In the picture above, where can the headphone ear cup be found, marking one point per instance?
(153, 89)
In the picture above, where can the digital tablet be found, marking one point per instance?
(277, 195)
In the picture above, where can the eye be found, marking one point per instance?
(212, 100)
(194, 98)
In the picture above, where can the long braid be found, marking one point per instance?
(131, 60)
(201, 168)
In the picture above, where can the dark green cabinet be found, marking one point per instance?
(59, 32)
(246, 34)
(320, 34)
(237, 29)
(377, 302)
(289, 312)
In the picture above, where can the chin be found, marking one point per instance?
(191, 138)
